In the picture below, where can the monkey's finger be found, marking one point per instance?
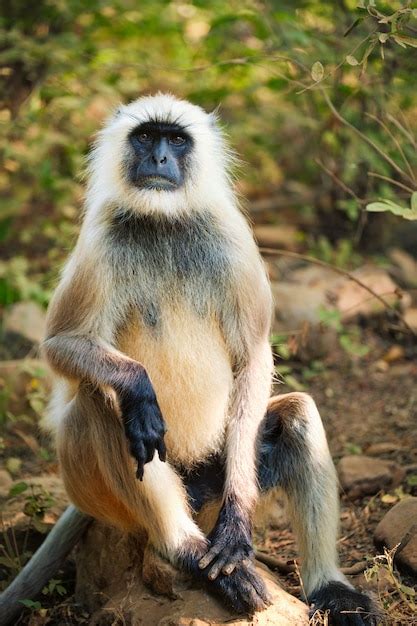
(139, 471)
(208, 558)
(217, 567)
(229, 568)
(150, 452)
(162, 451)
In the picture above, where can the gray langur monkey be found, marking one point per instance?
(158, 337)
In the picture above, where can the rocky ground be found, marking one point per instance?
(354, 353)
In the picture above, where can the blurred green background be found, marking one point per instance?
(318, 98)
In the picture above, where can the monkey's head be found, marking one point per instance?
(160, 155)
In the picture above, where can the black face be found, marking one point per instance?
(160, 156)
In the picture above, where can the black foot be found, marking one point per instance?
(230, 542)
(243, 590)
(346, 606)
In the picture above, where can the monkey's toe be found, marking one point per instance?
(347, 607)
(243, 590)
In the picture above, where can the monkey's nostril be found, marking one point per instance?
(163, 160)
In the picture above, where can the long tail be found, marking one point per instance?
(43, 564)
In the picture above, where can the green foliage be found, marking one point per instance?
(54, 586)
(280, 70)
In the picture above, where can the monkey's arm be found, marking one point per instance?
(75, 349)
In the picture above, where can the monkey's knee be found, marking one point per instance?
(289, 415)
(291, 439)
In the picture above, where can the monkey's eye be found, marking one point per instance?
(177, 140)
(144, 137)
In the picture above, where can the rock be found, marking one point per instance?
(398, 525)
(308, 290)
(383, 447)
(277, 236)
(26, 319)
(363, 475)
(109, 582)
(5, 483)
(296, 304)
(406, 267)
(353, 300)
(410, 316)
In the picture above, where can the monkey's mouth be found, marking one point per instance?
(156, 183)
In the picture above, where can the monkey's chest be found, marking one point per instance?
(190, 369)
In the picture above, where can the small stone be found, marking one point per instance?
(410, 317)
(400, 523)
(5, 482)
(383, 447)
(277, 236)
(27, 319)
(363, 475)
(395, 353)
(406, 267)
(296, 304)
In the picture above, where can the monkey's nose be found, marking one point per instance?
(159, 160)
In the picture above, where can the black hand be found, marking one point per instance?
(230, 542)
(143, 421)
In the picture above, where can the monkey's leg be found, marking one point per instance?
(294, 456)
(99, 475)
(230, 546)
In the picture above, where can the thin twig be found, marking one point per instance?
(395, 140)
(273, 563)
(392, 181)
(339, 182)
(341, 272)
(287, 568)
(371, 143)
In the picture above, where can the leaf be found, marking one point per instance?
(389, 498)
(404, 41)
(317, 71)
(353, 347)
(18, 488)
(412, 480)
(30, 604)
(352, 60)
(396, 209)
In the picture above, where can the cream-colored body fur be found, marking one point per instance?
(190, 370)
